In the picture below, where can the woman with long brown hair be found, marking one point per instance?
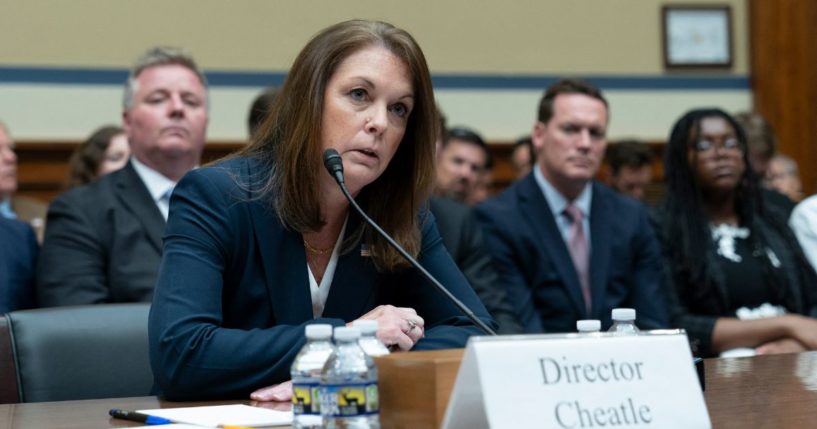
(262, 244)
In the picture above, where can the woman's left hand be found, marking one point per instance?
(398, 327)
(277, 392)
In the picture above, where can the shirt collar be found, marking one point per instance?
(557, 201)
(156, 183)
(5, 208)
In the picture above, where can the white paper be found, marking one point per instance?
(217, 415)
(176, 426)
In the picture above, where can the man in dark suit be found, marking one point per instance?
(567, 248)
(103, 241)
(18, 252)
(462, 238)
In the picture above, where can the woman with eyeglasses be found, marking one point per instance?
(738, 279)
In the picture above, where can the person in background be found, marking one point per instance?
(629, 165)
(762, 145)
(18, 254)
(735, 274)
(460, 160)
(523, 157)
(803, 222)
(565, 247)
(12, 206)
(259, 109)
(105, 151)
(264, 243)
(782, 175)
(103, 241)
(484, 187)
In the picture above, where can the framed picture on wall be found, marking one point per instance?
(697, 36)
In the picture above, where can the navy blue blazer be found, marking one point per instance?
(18, 253)
(535, 265)
(232, 298)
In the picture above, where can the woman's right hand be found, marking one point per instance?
(802, 329)
(397, 326)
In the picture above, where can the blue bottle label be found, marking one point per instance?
(306, 398)
(349, 400)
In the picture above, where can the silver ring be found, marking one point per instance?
(411, 324)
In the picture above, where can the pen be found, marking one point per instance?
(138, 417)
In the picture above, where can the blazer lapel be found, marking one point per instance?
(535, 208)
(135, 197)
(354, 283)
(599, 250)
(284, 264)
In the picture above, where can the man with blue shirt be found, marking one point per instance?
(103, 241)
(568, 248)
(25, 209)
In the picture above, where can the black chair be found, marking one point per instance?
(71, 353)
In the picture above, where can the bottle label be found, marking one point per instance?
(306, 398)
(349, 400)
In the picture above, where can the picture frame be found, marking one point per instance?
(698, 36)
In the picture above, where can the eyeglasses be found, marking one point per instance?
(730, 146)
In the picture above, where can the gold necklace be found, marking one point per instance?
(316, 250)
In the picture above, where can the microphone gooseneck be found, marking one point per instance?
(334, 165)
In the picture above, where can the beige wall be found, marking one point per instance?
(525, 37)
(522, 36)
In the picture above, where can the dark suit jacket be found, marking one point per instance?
(462, 237)
(102, 243)
(18, 253)
(534, 264)
(232, 298)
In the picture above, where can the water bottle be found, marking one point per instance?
(306, 376)
(589, 326)
(368, 338)
(349, 385)
(623, 322)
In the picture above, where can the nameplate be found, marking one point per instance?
(576, 381)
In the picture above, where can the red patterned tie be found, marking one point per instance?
(577, 245)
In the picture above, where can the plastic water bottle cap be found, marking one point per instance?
(624, 314)
(318, 331)
(591, 325)
(347, 333)
(367, 327)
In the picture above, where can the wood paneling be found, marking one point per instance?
(43, 166)
(784, 77)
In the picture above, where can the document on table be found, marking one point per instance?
(224, 415)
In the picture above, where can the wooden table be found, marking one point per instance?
(92, 414)
(758, 392)
(777, 391)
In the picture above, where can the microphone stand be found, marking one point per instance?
(334, 164)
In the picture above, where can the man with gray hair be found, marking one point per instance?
(103, 241)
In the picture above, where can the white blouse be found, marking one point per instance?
(320, 292)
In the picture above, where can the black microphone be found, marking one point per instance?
(334, 165)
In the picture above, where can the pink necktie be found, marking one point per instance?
(577, 246)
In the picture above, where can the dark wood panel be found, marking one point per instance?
(42, 169)
(784, 77)
(43, 166)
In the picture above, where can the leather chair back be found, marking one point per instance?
(83, 352)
